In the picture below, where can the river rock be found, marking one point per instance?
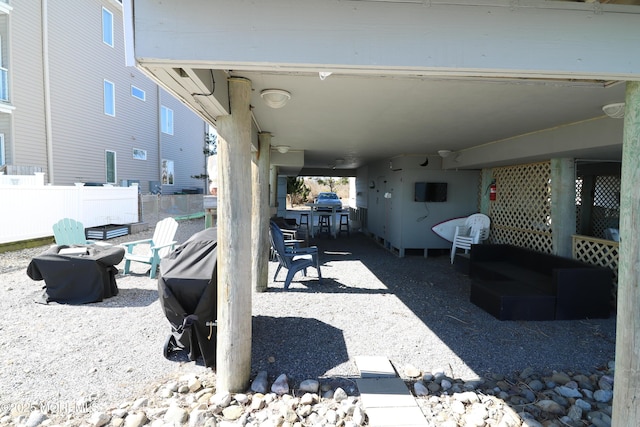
(280, 385)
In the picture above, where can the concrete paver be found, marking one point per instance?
(384, 396)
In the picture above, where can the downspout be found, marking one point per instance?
(47, 90)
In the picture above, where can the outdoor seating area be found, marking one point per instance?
(514, 283)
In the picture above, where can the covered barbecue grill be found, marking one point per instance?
(187, 288)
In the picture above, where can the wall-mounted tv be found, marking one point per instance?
(430, 192)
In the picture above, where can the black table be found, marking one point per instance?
(77, 274)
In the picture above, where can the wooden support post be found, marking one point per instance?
(626, 396)
(563, 205)
(233, 361)
(260, 213)
(273, 189)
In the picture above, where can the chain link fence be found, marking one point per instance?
(155, 207)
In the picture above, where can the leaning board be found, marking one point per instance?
(447, 229)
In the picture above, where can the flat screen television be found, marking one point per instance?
(430, 192)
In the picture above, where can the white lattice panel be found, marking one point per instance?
(598, 252)
(521, 213)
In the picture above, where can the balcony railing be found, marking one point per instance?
(4, 83)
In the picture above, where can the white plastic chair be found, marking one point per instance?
(474, 231)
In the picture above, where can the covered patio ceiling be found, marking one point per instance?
(342, 117)
(346, 121)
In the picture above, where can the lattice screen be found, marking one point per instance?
(578, 204)
(606, 204)
(521, 213)
(598, 252)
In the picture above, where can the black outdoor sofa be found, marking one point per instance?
(514, 283)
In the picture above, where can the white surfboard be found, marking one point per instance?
(447, 229)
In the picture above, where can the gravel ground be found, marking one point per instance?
(413, 310)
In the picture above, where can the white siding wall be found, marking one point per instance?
(26, 87)
(184, 147)
(79, 63)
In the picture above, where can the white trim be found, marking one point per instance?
(104, 97)
(5, 8)
(168, 166)
(3, 154)
(106, 167)
(502, 38)
(127, 17)
(166, 120)
(104, 9)
(139, 154)
(144, 94)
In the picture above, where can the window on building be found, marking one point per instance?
(109, 98)
(166, 120)
(4, 76)
(167, 172)
(136, 92)
(110, 157)
(107, 27)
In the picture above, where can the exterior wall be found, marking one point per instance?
(80, 127)
(25, 138)
(184, 147)
(400, 221)
(79, 62)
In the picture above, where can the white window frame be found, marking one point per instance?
(115, 167)
(168, 176)
(3, 157)
(166, 120)
(107, 27)
(106, 84)
(139, 154)
(141, 94)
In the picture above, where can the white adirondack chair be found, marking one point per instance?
(159, 246)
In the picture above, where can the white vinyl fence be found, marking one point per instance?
(29, 211)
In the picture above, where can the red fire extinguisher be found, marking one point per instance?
(492, 191)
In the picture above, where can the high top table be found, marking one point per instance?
(317, 209)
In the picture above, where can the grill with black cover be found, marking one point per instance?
(187, 288)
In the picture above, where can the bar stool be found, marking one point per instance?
(324, 224)
(304, 220)
(344, 224)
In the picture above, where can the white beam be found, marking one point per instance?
(476, 38)
(561, 141)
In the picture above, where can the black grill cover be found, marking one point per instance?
(187, 288)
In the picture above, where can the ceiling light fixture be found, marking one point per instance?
(615, 111)
(283, 149)
(275, 98)
(444, 153)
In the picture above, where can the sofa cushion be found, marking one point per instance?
(508, 300)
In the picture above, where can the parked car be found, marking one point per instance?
(330, 199)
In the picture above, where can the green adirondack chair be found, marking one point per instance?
(68, 231)
(154, 249)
